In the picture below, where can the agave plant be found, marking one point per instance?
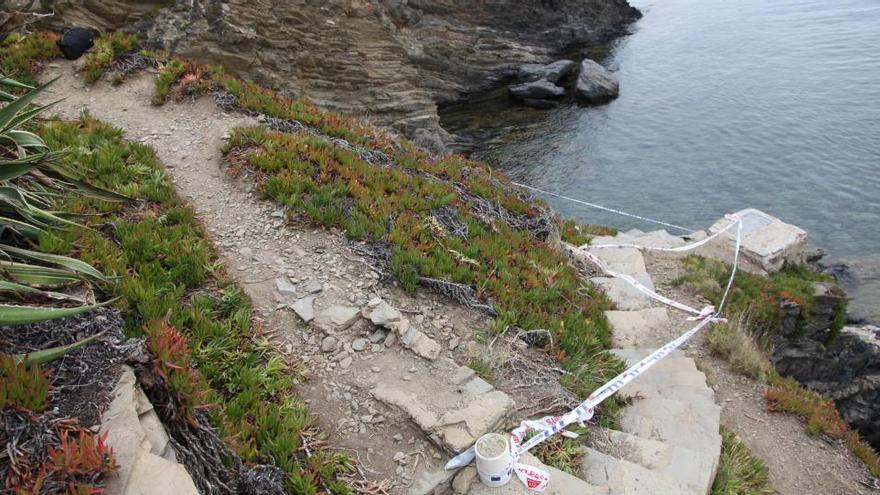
(35, 286)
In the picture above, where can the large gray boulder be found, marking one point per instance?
(536, 90)
(552, 72)
(596, 84)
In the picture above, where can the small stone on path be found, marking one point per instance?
(329, 344)
(359, 344)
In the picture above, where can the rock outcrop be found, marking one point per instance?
(394, 61)
(847, 370)
(147, 462)
(539, 90)
(553, 72)
(595, 83)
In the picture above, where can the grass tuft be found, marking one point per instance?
(739, 472)
(733, 341)
(482, 367)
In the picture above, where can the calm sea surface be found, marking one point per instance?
(723, 105)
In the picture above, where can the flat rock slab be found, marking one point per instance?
(337, 318)
(536, 90)
(448, 401)
(132, 427)
(552, 72)
(624, 295)
(639, 328)
(305, 308)
(561, 483)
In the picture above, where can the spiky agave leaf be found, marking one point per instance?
(12, 314)
(51, 354)
(54, 259)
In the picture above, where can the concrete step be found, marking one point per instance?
(561, 483)
(624, 295)
(636, 329)
(623, 477)
(693, 425)
(686, 467)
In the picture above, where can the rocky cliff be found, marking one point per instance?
(843, 365)
(847, 370)
(393, 60)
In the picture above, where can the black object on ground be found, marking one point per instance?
(76, 41)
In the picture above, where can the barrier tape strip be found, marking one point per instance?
(604, 208)
(687, 247)
(538, 479)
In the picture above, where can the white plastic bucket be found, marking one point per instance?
(494, 462)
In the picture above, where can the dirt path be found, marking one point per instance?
(799, 463)
(258, 246)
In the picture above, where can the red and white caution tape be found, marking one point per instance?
(538, 479)
(734, 220)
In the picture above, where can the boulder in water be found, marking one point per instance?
(76, 41)
(552, 72)
(596, 84)
(536, 90)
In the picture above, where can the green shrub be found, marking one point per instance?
(21, 385)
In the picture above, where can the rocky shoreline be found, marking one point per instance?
(393, 62)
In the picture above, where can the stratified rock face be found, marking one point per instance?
(847, 370)
(596, 84)
(389, 59)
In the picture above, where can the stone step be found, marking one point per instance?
(623, 295)
(621, 260)
(656, 238)
(689, 468)
(637, 390)
(692, 425)
(449, 403)
(634, 329)
(623, 477)
(674, 373)
(561, 483)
